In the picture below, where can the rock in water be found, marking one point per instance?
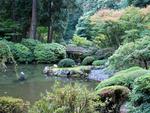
(46, 70)
(22, 77)
(55, 66)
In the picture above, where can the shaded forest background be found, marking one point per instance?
(52, 20)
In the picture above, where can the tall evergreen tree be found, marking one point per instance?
(34, 19)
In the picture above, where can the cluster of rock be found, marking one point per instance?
(69, 73)
(88, 72)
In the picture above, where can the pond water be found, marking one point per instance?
(36, 83)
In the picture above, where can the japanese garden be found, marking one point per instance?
(74, 56)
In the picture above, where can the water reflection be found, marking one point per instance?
(35, 84)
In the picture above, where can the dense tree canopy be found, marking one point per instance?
(79, 39)
(16, 16)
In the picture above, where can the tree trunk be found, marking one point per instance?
(50, 29)
(50, 34)
(145, 64)
(14, 10)
(33, 20)
(13, 18)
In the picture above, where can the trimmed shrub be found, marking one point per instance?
(4, 51)
(5, 54)
(125, 77)
(131, 54)
(48, 53)
(99, 62)
(30, 43)
(68, 99)
(139, 98)
(88, 60)
(22, 54)
(111, 98)
(120, 59)
(13, 105)
(66, 63)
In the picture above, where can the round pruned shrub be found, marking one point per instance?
(124, 77)
(30, 43)
(111, 98)
(4, 50)
(139, 97)
(5, 54)
(120, 59)
(88, 60)
(131, 54)
(99, 62)
(66, 63)
(13, 105)
(22, 54)
(48, 53)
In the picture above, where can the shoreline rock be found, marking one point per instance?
(82, 72)
(68, 72)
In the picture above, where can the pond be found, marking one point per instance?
(36, 83)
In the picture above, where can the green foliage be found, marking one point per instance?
(30, 43)
(139, 97)
(139, 3)
(88, 60)
(99, 62)
(111, 28)
(69, 99)
(81, 41)
(119, 60)
(131, 35)
(13, 105)
(99, 41)
(131, 54)
(59, 18)
(111, 98)
(22, 54)
(6, 28)
(104, 53)
(124, 77)
(4, 51)
(48, 53)
(103, 33)
(19, 13)
(72, 22)
(42, 31)
(83, 27)
(112, 4)
(66, 63)
(14, 17)
(89, 7)
(5, 54)
(18, 52)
